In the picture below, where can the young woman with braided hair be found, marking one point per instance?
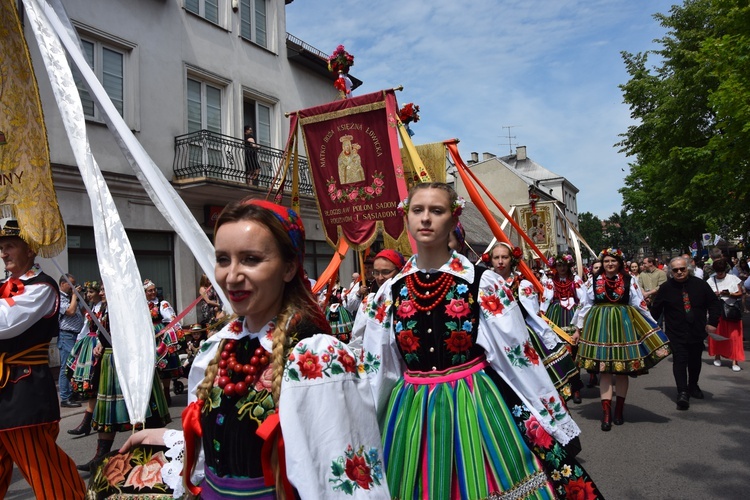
(270, 378)
(466, 406)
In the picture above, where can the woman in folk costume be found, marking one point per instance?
(467, 409)
(555, 354)
(564, 293)
(618, 335)
(82, 366)
(270, 366)
(110, 415)
(168, 341)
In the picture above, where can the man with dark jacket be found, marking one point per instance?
(691, 311)
(29, 412)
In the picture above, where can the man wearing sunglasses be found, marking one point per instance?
(691, 311)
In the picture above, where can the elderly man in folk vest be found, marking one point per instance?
(29, 410)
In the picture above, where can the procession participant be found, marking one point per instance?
(728, 288)
(71, 321)
(168, 343)
(110, 414)
(385, 266)
(29, 412)
(557, 359)
(619, 336)
(691, 311)
(242, 386)
(467, 409)
(564, 293)
(82, 366)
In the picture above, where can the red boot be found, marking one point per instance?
(606, 418)
(619, 407)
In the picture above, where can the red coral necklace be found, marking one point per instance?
(235, 379)
(434, 292)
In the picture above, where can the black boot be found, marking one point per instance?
(84, 427)
(577, 397)
(606, 418)
(619, 408)
(102, 448)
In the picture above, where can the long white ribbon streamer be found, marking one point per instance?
(158, 188)
(130, 322)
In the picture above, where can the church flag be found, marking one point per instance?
(355, 164)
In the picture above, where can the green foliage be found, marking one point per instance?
(590, 227)
(690, 170)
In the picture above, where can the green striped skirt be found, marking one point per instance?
(618, 339)
(450, 434)
(82, 367)
(110, 412)
(558, 362)
(560, 316)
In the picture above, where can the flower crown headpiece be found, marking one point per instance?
(612, 252)
(456, 208)
(94, 285)
(563, 257)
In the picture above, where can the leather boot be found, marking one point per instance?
(102, 448)
(592, 380)
(606, 418)
(619, 407)
(577, 397)
(84, 427)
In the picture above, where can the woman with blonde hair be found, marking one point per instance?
(267, 373)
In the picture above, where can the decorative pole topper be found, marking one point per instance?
(340, 62)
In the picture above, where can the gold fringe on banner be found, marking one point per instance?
(26, 189)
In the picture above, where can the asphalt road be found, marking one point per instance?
(659, 453)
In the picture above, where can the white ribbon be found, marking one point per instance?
(130, 322)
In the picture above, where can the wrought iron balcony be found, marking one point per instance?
(206, 155)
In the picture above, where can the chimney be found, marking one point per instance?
(520, 153)
(474, 158)
(487, 156)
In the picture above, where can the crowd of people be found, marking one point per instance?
(460, 372)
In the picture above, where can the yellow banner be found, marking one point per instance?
(26, 189)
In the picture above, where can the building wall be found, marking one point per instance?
(163, 43)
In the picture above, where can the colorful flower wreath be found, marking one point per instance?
(563, 257)
(612, 252)
(409, 113)
(456, 209)
(340, 61)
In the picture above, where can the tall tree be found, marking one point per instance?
(690, 170)
(624, 231)
(590, 227)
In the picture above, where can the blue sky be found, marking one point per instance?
(548, 68)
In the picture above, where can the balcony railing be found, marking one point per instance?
(210, 156)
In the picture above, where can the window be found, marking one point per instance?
(109, 64)
(253, 20)
(203, 106)
(258, 115)
(207, 9)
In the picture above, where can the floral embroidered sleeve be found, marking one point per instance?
(580, 315)
(637, 300)
(502, 333)
(527, 296)
(329, 425)
(547, 296)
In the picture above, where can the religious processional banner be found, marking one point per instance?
(26, 189)
(355, 163)
(538, 222)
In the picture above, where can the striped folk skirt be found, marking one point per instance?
(560, 316)
(450, 434)
(618, 339)
(82, 368)
(559, 363)
(110, 412)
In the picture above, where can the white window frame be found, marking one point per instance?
(221, 14)
(208, 153)
(269, 102)
(130, 72)
(249, 15)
